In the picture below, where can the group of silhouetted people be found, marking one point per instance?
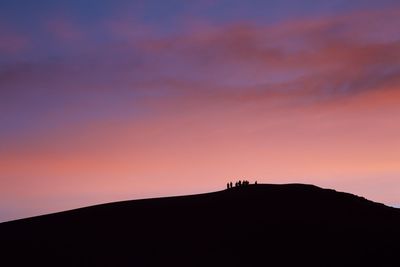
(238, 184)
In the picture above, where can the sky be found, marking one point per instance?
(103, 101)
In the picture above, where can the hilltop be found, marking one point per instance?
(254, 225)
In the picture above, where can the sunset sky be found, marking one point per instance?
(103, 101)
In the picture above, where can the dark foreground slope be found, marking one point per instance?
(257, 225)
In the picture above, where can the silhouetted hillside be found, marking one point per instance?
(255, 225)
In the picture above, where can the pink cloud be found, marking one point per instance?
(300, 60)
(64, 30)
(12, 42)
(327, 55)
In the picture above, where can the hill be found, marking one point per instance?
(254, 225)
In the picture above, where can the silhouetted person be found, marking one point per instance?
(230, 184)
(255, 182)
(227, 186)
(240, 183)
